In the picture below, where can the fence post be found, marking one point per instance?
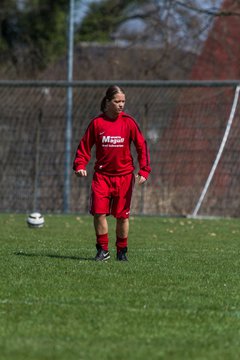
(36, 167)
(68, 132)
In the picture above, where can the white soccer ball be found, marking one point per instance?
(35, 220)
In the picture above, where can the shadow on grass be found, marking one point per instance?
(21, 253)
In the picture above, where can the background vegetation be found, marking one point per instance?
(34, 35)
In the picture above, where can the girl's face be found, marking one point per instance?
(116, 105)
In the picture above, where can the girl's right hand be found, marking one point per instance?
(81, 173)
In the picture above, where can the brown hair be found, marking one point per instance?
(110, 93)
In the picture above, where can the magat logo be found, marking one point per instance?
(113, 141)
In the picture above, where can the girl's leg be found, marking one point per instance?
(122, 229)
(101, 230)
(100, 224)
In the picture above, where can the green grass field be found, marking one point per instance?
(178, 296)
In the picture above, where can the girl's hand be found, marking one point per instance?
(140, 179)
(81, 173)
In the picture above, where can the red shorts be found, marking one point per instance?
(111, 195)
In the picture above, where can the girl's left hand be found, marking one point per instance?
(140, 179)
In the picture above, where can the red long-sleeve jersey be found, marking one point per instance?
(112, 139)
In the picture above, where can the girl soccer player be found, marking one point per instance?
(112, 133)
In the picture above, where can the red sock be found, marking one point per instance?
(102, 240)
(121, 243)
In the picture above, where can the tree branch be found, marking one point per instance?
(208, 11)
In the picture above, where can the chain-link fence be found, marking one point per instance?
(183, 122)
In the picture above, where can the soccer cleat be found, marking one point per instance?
(102, 255)
(122, 255)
